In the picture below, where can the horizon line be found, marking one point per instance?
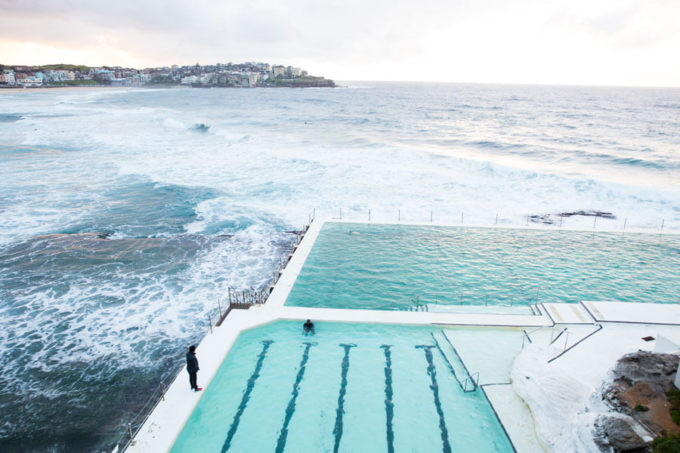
(544, 84)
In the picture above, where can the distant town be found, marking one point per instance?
(243, 75)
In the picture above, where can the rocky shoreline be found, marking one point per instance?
(637, 396)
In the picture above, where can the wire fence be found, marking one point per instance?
(580, 220)
(236, 298)
(139, 418)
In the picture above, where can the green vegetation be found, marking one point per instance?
(46, 67)
(673, 396)
(666, 444)
(641, 408)
(669, 443)
(66, 67)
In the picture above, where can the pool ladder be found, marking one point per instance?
(471, 382)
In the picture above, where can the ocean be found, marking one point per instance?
(126, 213)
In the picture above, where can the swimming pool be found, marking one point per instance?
(349, 388)
(397, 267)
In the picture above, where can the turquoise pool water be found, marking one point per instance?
(349, 388)
(393, 267)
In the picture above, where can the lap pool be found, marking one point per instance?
(399, 267)
(350, 388)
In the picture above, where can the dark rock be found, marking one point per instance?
(640, 378)
(552, 219)
(588, 213)
(615, 433)
(545, 219)
(655, 370)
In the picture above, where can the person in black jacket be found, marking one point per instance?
(192, 368)
(308, 327)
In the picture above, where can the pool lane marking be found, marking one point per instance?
(389, 403)
(290, 409)
(337, 430)
(246, 395)
(435, 392)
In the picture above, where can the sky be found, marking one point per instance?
(573, 42)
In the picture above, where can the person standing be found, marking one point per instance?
(192, 368)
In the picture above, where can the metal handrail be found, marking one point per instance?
(599, 327)
(471, 378)
(133, 427)
(552, 340)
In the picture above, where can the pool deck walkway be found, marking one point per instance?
(159, 431)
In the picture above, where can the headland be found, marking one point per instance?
(229, 75)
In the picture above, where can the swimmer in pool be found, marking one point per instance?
(308, 327)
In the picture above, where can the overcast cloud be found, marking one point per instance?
(604, 42)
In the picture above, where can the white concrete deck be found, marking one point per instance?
(565, 394)
(568, 313)
(638, 313)
(516, 417)
(166, 421)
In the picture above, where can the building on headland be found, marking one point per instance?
(7, 78)
(278, 71)
(59, 75)
(262, 77)
(207, 79)
(252, 78)
(29, 79)
(189, 80)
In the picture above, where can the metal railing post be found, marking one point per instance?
(210, 322)
(398, 215)
(369, 215)
(496, 222)
(162, 392)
